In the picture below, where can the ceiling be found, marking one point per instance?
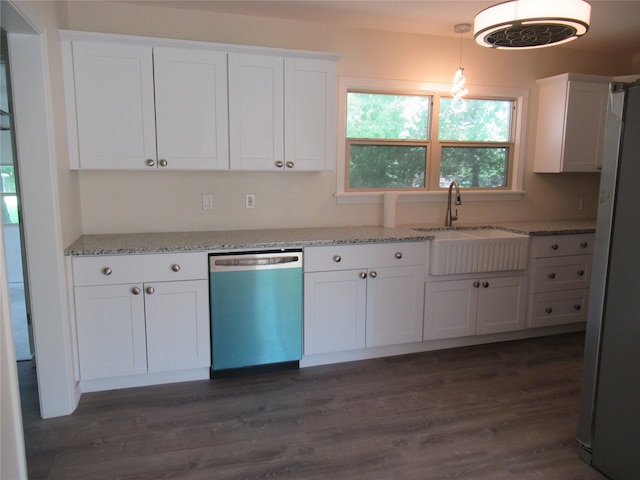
(615, 25)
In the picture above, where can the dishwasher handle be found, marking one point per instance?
(255, 261)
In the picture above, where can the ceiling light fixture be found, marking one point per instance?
(458, 91)
(523, 24)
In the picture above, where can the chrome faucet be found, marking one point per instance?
(448, 221)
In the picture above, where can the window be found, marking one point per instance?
(405, 137)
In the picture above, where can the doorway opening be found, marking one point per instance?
(13, 233)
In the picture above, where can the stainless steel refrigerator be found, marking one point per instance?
(609, 419)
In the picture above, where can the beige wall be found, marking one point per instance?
(163, 201)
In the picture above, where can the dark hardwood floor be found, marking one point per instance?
(501, 411)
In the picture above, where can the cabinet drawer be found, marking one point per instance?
(557, 308)
(561, 245)
(138, 268)
(566, 273)
(346, 257)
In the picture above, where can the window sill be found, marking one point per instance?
(353, 198)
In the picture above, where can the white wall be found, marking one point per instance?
(161, 201)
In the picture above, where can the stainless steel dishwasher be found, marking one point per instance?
(256, 311)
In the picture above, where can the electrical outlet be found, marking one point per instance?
(249, 200)
(207, 202)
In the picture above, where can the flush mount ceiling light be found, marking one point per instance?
(522, 24)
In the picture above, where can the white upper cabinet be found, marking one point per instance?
(310, 114)
(142, 107)
(256, 111)
(114, 103)
(191, 108)
(281, 112)
(571, 119)
(136, 103)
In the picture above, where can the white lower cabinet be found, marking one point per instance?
(379, 303)
(560, 279)
(142, 326)
(474, 306)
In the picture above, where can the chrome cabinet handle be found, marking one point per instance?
(150, 162)
(363, 275)
(552, 275)
(485, 284)
(279, 164)
(373, 274)
(150, 290)
(337, 258)
(584, 244)
(476, 284)
(290, 164)
(135, 290)
(577, 306)
(107, 271)
(175, 267)
(548, 310)
(580, 273)
(398, 255)
(163, 163)
(554, 246)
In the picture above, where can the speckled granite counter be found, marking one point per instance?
(140, 243)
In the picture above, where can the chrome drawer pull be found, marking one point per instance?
(163, 163)
(363, 275)
(135, 290)
(279, 164)
(485, 284)
(398, 255)
(175, 267)
(150, 162)
(476, 284)
(373, 274)
(337, 258)
(150, 290)
(107, 271)
(290, 164)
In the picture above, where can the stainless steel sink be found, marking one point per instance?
(476, 250)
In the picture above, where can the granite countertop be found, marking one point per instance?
(142, 243)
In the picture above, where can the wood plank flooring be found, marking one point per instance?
(500, 411)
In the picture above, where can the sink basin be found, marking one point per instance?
(455, 252)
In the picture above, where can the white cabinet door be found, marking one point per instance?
(450, 309)
(114, 100)
(395, 302)
(256, 111)
(177, 315)
(111, 331)
(334, 311)
(502, 304)
(310, 114)
(571, 119)
(191, 108)
(584, 126)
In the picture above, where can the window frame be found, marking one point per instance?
(432, 191)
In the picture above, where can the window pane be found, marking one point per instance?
(387, 166)
(482, 121)
(474, 166)
(9, 209)
(8, 179)
(373, 115)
